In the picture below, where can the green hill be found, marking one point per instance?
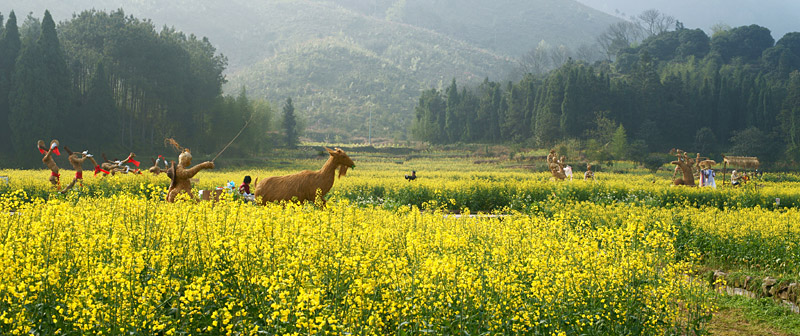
(510, 27)
(342, 60)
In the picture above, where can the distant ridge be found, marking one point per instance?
(341, 62)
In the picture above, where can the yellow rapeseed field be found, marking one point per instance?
(614, 256)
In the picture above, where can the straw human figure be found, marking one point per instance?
(48, 160)
(306, 185)
(76, 160)
(181, 175)
(118, 166)
(684, 163)
(589, 174)
(156, 169)
(556, 165)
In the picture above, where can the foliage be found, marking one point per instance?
(738, 83)
(98, 74)
(237, 268)
(289, 124)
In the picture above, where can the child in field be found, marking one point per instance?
(244, 189)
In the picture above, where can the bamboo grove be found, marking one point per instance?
(735, 92)
(116, 83)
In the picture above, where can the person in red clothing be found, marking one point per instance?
(244, 190)
(245, 187)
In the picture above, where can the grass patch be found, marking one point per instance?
(739, 315)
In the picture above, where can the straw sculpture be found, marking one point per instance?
(76, 160)
(684, 163)
(156, 169)
(180, 175)
(118, 166)
(48, 160)
(556, 165)
(305, 185)
(589, 174)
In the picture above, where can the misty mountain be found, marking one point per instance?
(343, 60)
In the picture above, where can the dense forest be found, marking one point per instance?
(736, 92)
(112, 83)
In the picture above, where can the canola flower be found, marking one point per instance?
(613, 256)
(128, 264)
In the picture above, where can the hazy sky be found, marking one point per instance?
(780, 16)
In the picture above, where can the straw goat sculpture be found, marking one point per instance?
(305, 185)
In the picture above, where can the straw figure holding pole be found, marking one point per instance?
(305, 185)
(48, 160)
(76, 160)
(180, 175)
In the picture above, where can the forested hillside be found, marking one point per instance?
(111, 83)
(736, 92)
(509, 27)
(376, 55)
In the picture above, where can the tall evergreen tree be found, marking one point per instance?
(57, 81)
(29, 119)
(790, 117)
(10, 45)
(453, 126)
(99, 111)
(290, 124)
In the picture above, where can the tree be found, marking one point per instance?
(99, 111)
(40, 89)
(290, 124)
(751, 142)
(789, 117)
(747, 42)
(618, 36)
(453, 120)
(536, 61)
(705, 141)
(57, 88)
(655, 22)
(619, 144)
(10, 45)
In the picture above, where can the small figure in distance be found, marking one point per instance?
(589, 174)
(244, 190)
(568, 172)
(413, 176)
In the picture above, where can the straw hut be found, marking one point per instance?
(746, 162)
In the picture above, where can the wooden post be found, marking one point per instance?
(724, 170)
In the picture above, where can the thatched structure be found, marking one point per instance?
(747, 162)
